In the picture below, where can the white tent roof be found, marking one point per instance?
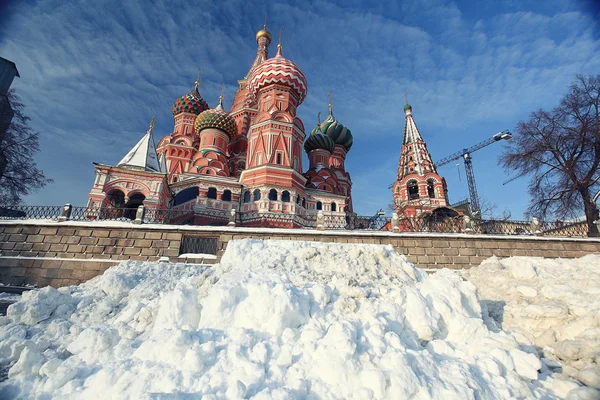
(143, 154)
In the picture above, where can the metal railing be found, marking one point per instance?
(281, 220)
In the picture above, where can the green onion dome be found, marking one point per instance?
(407, 107)
(191, 103)
(318, 140)
(216, 118)
(336, 131)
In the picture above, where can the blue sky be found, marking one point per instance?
(93, 73)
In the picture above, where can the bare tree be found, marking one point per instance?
(560, 151)
(18, 172)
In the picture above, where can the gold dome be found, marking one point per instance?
(264, 33)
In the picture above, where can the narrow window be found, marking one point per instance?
(333, 206)
(247, 196)
(226, 196)
(273, 195)
(319, 205)
(285, 196)
(212, 193)
(413, 190)
(430, 189)
(256, 195)
(279, 158)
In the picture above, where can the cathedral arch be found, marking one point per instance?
(226, 196)
(212, 193)
(285, 196)
(116, 198)
(412, 189)
(430, 188)
(273, 195)
(186, 195)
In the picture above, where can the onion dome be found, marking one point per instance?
(280, 71)
(264, 33)
(336, 131)
(318, 140)
(191, 103)
(407, 107)
(216, 118)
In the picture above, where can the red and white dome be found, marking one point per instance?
(280, 71)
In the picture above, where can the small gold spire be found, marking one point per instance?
(279, 46)
(221, 96)
(330, 101)
(406, 97)
(151, 125)
(197, 83)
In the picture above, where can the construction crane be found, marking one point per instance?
(465, 154)
(509, 180)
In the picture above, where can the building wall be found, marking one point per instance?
(60, 254)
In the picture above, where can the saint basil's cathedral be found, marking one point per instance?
(248, 159)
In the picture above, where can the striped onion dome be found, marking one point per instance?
(191, 103)
(318, 140)
(336, 131)
(216, 118)
(280, 71)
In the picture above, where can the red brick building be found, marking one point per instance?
(248, 159)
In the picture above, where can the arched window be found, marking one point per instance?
(333, 206)
(278, 158)
(212, 193)
(430, 189)
(285, 196)
(319, 205)
(186, 195)
(247, 196)
(226, 196)
(413, 190)
(256, 194)
(273, 194)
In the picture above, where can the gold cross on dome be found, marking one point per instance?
(151, 125)
(198, 80)
(406, 97)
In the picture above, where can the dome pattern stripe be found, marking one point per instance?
(279, 70)
(319, 141)
(191, 103)
(218, 119)
(337, 132)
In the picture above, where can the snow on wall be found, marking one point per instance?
(549, 304)
(276, 319)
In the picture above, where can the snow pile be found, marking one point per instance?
(552, 305)
(276, 319)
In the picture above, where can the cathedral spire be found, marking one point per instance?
(263, 39)
(143, 154)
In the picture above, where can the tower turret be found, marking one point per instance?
(275, 137)
(418, 187)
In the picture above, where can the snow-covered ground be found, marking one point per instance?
(551, 305)
(276, 319)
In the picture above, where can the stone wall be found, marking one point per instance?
(60, 254)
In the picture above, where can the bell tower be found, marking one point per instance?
(418, 187)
